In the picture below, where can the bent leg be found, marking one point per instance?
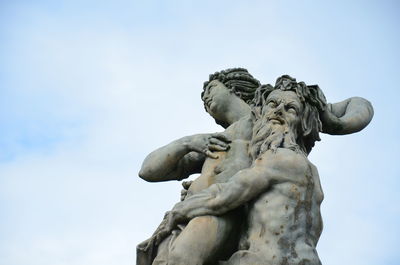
(164, 248)
(203, 240)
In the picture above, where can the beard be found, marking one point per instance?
(270, 133)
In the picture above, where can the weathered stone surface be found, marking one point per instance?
(257, 200)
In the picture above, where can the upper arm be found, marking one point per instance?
(354, 114)
(155, 169)
(190, 164)
(339, 108)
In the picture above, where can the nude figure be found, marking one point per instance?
(281, 188)
(217, 157)
(187, 155)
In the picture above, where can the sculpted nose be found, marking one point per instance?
(204, 95)
(278, 110)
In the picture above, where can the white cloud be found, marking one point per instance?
(113, 92)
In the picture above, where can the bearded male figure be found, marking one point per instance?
(197, 244)
(281, 188)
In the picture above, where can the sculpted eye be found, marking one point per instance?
(292, 109)
(271, 104)
(210, 87)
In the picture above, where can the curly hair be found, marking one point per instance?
(312, 99)
(238, 80)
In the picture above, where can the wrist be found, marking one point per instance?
(178, 212)
(191, 143)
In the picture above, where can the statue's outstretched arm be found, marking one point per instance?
(182, 157)
(348, 116)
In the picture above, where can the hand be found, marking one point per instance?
(185, 185)
(145, 245)
(169, 223)
(160, 234)
(208, 143)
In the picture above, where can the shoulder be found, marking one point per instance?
(242, 129)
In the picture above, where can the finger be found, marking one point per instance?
(183, 194)
(166, 214)
(186, 184)
(161, 235)
(170, 225)
(221, 137)
(214, 140)
(159, 238)
(151, 242)
(144, 245)
(214, 147)
(210, 154)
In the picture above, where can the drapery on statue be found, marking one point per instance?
(257, 199)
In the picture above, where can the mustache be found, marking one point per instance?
(276, 118)
(207, 101)
(260, 124)
(268, 136)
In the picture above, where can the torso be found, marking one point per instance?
(228, 163)
(284, 223)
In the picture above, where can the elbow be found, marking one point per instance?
(363, 105)
(146, 174)
(359, 116)
(351, 118)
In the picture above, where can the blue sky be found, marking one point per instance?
(89, 88)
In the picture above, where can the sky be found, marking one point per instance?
(89, 88)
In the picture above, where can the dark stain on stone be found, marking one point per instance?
(305, 262)
(287, 248)
(262, 231)
(284, 261)
(293, 251)
(283, 243)
(306, 204)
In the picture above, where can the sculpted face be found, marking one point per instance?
(223, 105)
(216, 96)
(283, 108)
(279, 123)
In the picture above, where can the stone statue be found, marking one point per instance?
(225, 97)
(257, 199)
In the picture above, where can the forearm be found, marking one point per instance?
(223, 197)
(358, 114)
(270, 169)
(182, 157)
(159, 164)
(349, 116)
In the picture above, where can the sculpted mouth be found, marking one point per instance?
(208, 101)
(276, 120)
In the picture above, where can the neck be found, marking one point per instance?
(238, 109)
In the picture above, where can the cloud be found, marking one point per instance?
(89, 90)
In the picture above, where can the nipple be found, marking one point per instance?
(218, 169)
